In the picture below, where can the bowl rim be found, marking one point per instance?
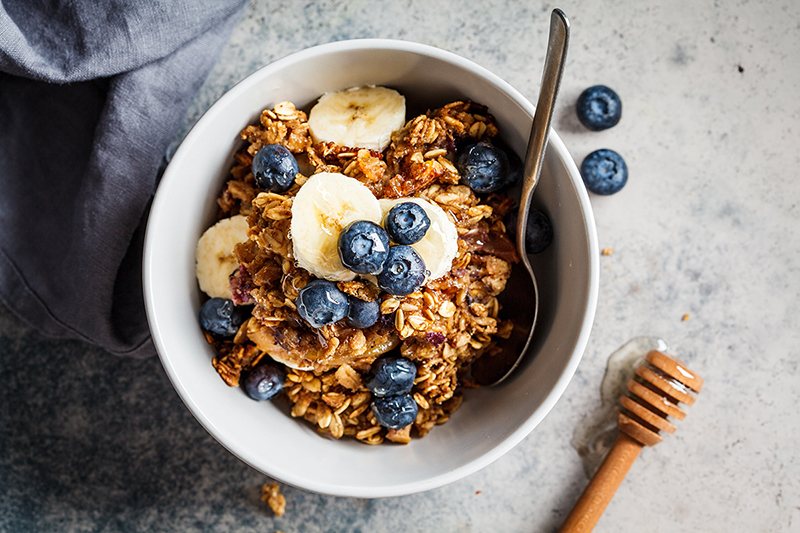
(590, 303)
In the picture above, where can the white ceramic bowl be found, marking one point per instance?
(491, 420)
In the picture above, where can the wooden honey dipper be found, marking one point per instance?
(663, 382)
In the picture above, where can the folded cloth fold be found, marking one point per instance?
(91, 95)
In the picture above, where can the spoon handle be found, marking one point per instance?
(554, 62)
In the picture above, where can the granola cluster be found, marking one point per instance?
(271, 495)
(442, 327)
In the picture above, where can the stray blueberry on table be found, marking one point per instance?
(274, 168)
(538, 231)
(599, 108)
(604, 172)
(395, 412)
(363, 247)
(362, 314)
(403, 272)
(484, 167)
(391, 375)
(265, 381)
(407, 223)
(220, 317)
(321, 303)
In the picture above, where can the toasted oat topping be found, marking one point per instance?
(423, 152)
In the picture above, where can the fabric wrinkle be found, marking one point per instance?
(96, 95)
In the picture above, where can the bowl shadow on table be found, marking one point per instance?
(87, 436)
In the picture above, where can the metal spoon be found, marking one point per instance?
(520, 299)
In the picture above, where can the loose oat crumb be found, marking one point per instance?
(608, 251)
(685, 317)
(270, 493)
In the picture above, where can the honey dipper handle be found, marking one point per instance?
(597, 495)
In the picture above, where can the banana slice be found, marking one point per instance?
(359, 117)
(439, 246)
(324, 205)
(215, 261)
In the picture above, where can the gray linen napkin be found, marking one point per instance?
(91, 95)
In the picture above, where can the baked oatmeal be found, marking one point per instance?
(441, 326)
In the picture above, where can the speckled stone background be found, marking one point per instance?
(707, 226)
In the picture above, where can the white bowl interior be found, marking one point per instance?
(491, 420)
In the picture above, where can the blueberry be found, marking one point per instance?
(407, 223)
(220, 317)
(484, 167)
(363, 247)
(599, 108)
(265, 381)
(361, 314)
(538, 232)
(395, 412)
(391, 375)
(516, 169)
(604, 171)
(274, 168)
(321, 303)
(403, 272)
